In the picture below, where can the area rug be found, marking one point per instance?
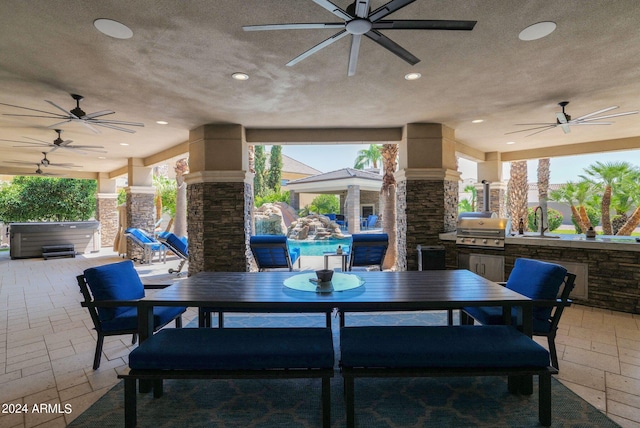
(289, 403)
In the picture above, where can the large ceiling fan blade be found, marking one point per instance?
(388, 9)
(362, 8)
(55, 125)
(607, 116)
(333, 9)
(54, 115)
(425, 24)
(595, 113)
(309, 26)
(544, 127)
(565, 128)
(67, 112)
(31, 109)
(561, 118)
(98, 114)
(110, 126)
(39, 141)
(353, 54)
(392, 46)
(114, 122)
(317, 47)
(591, 123)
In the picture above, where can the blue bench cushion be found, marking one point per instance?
(492, 315)
(439, 347)
(115, 281)
(235, 349)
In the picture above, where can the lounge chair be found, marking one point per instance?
(272, 252)
(179, 246)
(370, 222)
(150, 245)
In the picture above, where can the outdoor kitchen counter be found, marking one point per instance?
(608, 267)
(603, 242)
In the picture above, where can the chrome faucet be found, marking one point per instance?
(535, 220)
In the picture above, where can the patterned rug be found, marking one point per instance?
(419, 402)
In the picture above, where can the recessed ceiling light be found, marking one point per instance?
(413, 76)
(537, 31)
(102, 157)
(124, 144)
(113, 28)
(162, 122)
(511, 142)
(477, 121)
(240, 76)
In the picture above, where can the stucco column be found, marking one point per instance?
(491, 171)
(219, 199)
(352, 209)
(107, 209)
(427, 189)
(140, 211)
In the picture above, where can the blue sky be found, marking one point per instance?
(336, 156)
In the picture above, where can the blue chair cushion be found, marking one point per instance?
(178, 244)
(128, 320)
(439, 346)
(116, 281)
(235, 349)
(372, 252)
(143, 239)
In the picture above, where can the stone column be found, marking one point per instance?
(107, 209)
(491, 170)
(294, 200)
(427, 189)
(140, 211)
(352, 209)
(219, 199)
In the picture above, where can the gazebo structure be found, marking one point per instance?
(359, 192)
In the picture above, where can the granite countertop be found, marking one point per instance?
(603, 242)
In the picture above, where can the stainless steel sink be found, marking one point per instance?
(539, 236)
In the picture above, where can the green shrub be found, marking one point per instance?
(554, 220)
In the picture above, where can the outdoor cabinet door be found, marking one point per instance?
(490, 267)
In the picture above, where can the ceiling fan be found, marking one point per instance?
(78, 115)
(359, 21)
(565, 121)
(58, 143)
(46, 162)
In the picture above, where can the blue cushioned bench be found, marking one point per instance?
(420, 351)
(231, 353)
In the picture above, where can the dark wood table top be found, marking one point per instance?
(392, 291)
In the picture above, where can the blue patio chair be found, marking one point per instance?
(272, 252)
(119, 282)
(370, 222)
(368, 249)
(331, 217)
(547, 284)
(340, 221)
(150, 245)
(179, 247)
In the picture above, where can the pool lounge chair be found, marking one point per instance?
(150, 246)
(179, 247)
(272, 252)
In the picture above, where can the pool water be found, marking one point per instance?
(317, 248)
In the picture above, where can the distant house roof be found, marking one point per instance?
(337, 181)
(293, 166)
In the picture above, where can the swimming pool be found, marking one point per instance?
(317, 248)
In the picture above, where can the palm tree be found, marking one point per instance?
(628, 194)
(607, 174)
(474, 197)
(389, 155)
(180, 224)
(583, 192)
(567, 194)
(370, 156)
(517, 192)
(544, 174)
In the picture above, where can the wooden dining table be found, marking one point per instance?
(380, 291)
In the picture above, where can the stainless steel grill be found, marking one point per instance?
(481, 232)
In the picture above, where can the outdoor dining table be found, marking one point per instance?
(378, 291)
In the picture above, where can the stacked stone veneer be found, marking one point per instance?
(497, 201)
(431, 208)
(107, 215)
(140, 214)
(219, 224)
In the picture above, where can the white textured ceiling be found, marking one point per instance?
(178, 64)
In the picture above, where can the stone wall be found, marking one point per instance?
(431, 209)
(497, 201)
(219, 225)
(107, 215)
(140, 214)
